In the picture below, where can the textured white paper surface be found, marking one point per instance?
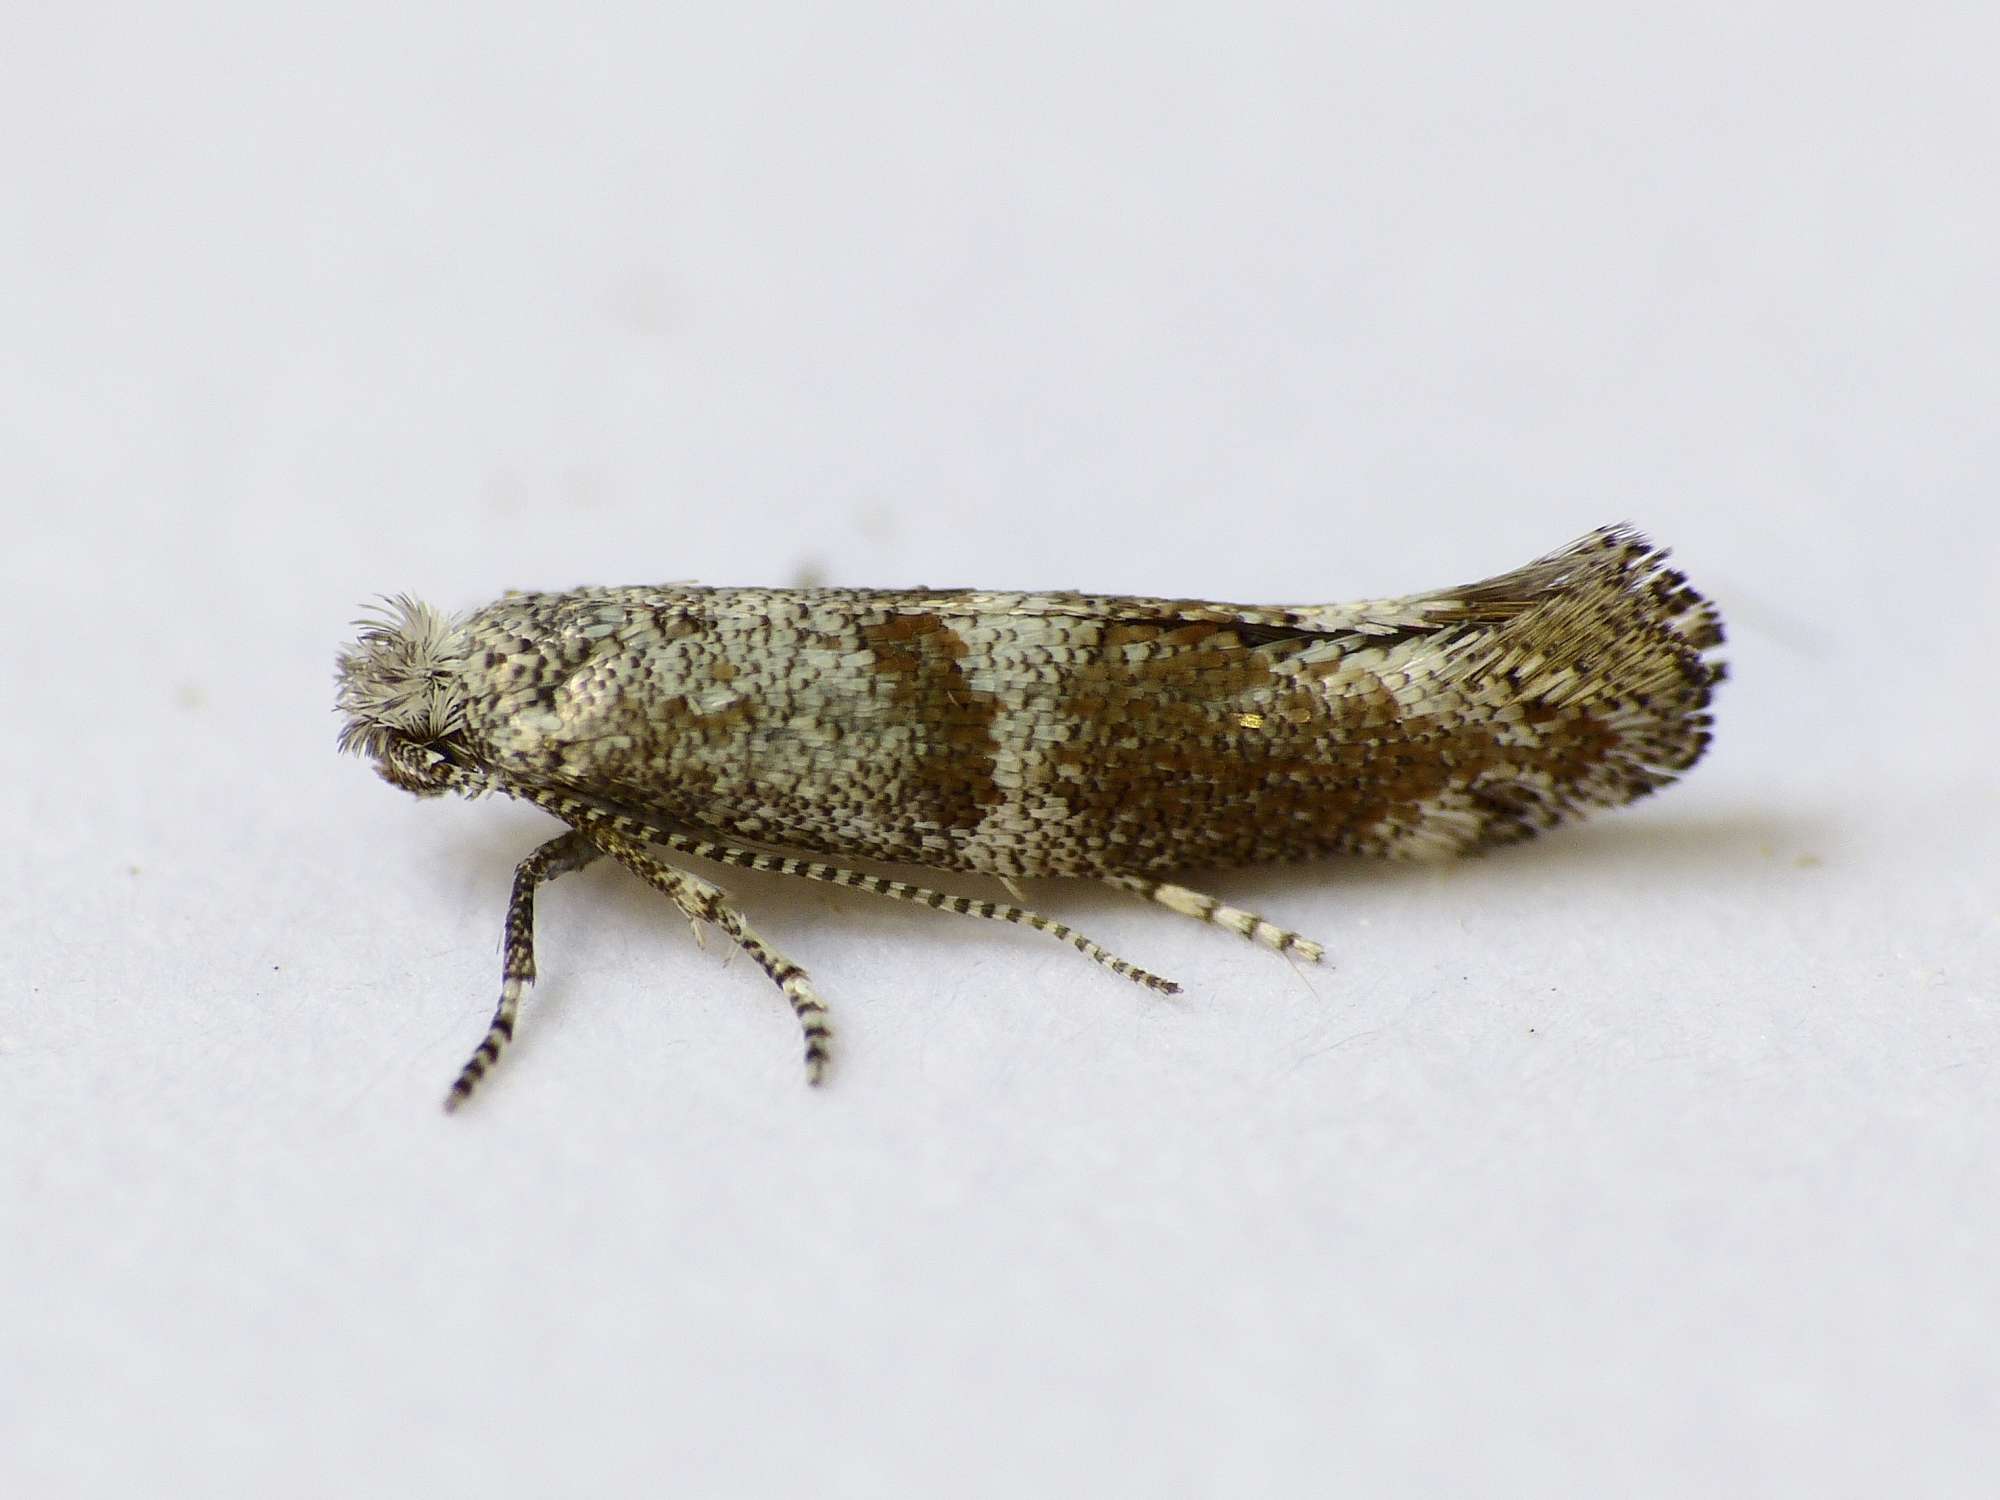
(1657, 1157)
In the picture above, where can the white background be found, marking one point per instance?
(1659, 1156)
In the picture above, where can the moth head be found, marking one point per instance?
(401, 689)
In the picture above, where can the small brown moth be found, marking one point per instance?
(1031, 734)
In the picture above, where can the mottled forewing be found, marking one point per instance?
(976, 731)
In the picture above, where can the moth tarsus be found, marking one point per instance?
(1012, 734)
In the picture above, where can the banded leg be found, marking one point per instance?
(899, 890)
(575, 810)
(559, 856)
(1207, 909)
(707, 903)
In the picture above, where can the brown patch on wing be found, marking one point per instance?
(919, 669)
(1214, 751)
(1161, 757)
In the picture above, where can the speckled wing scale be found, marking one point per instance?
(1015, 735)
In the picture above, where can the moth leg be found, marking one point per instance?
(898, 890)
(1208, 909)
(559, 856)
(708, 903)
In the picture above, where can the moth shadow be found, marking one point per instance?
(1713, 847)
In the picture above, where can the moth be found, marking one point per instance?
(1020, 734)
